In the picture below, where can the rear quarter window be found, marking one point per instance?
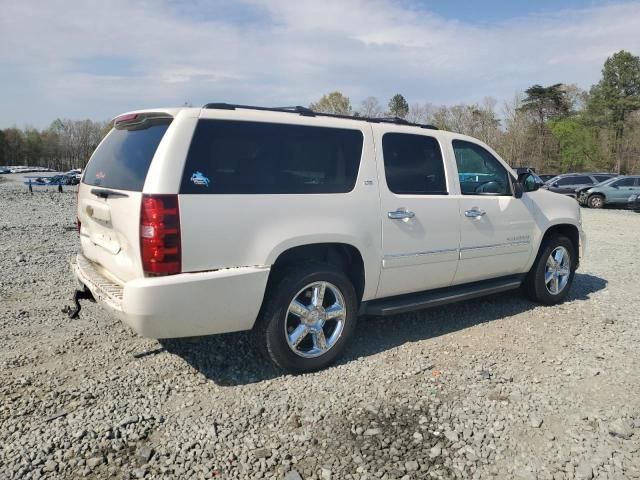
(236, 157)
(122, 160)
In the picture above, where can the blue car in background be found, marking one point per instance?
(620, 191)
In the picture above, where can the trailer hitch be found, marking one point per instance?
(84, 294)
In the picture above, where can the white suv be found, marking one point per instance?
(196, 221)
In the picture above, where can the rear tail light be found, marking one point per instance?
(160, 235)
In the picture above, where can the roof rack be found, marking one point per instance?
(307, 112)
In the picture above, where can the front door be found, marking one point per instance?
(496, 230)
(621, 190)
(420, 220)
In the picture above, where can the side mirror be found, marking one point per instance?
(529, 182)
(517, 190)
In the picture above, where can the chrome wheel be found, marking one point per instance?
(557, 270)
(315, 319)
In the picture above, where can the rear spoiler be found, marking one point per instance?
(136, 121)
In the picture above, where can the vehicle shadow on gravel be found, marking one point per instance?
(231, 359)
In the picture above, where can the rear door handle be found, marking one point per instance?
(401, 214)
(474, 212)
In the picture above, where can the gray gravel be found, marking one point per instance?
(494, 387)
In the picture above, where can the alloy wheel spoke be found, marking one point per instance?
(298, 309)
(548, 276)
(564, 271)
(318, 294)
(334, 311)
(298, 334)
(556, 284)
(319, 340)
(559, 256)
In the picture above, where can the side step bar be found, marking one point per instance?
(441, 296)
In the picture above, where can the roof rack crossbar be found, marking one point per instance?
(307, 112)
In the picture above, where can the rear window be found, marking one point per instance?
(234, 157)
(123, 158)
(602, 178)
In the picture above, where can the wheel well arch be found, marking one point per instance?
(599, 194)
(568, 230)
(344, 256)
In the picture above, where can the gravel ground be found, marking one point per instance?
(497, 387)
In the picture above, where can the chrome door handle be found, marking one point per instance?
(474, 212)
(401, 214)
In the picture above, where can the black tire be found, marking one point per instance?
(595, 201)
(535, 286)
(274, 319)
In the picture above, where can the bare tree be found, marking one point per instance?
(421, 113)
(370, 107)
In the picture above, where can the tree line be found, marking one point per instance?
(556, 128)
(66, 144)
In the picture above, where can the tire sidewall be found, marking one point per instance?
(276, 343)
(542, 294)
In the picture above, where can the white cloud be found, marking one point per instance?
(288, 52)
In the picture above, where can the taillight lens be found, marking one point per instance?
(160, 235)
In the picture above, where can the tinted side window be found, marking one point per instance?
(625, 182)
(479, 171)
(234, 157)
(583, 180)
(565, 181)
(602, 178)
(413, 164)
(574, 181)
(122, 160)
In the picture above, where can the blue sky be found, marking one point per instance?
(491, 11)
(95, 59)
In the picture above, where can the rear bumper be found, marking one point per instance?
(183, 305)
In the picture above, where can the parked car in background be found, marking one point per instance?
(76, 174)
(570, 183)
(4, 170)
(615, 191)
(547, 176)
(532, 172)
(634, 202)
(28, 169)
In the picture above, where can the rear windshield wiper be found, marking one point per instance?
(106, 193)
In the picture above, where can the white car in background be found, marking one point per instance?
(290, 223)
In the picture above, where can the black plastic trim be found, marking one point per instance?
(306, 112)
(441, 296)
(106, 193)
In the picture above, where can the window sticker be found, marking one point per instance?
(199, 179)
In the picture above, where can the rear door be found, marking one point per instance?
(497, 229)
(420, 220)
(110, 194)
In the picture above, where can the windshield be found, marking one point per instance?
(607, 182)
